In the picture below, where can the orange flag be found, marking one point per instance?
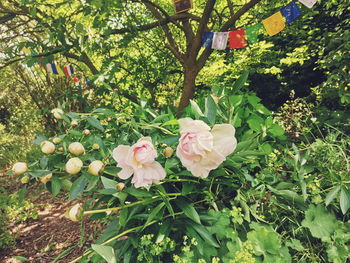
(274, 24)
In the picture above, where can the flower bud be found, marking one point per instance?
(46, 178)
(76, 148)
(75, 213)
(86, 132)
(47, 147)
(25, 179)
(60, 149)
(19, 168)
(56, 140)
(108, 119)
(57, 113)
(168, 152)
(96, 167)
(74, 123)
(95, 146)
(120, 186)
(74, 165)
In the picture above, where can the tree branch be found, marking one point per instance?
(161, 22)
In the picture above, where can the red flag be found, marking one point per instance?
(238, 38)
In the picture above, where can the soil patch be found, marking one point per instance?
(43, 239)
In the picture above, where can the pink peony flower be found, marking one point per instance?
(201, 149)
(139, 160)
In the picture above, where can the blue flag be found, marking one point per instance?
(207, 39)
(290, 12)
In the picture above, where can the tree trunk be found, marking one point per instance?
(189, 85)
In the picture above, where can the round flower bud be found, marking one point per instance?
(60, 149)
(168, 152)
(108, 119)
(56, 140)
(76, 148)
(74, 123)
(47, 147)
(46, 178)
(25, 179)
(86, 132)
(74, 165)
(95, 146)
(75, 213)
(120, 186)
(19, 168)
(56, 113)
(96, 167)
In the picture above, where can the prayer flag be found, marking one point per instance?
(49, 68)
(60, 72)
(207, 39)
(220, 40)
(238, 38)
(68, 70)
(252, 32)
(274, 24)
(54, 69)
(290, 12)
(308, 3)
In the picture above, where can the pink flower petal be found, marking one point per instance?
(224, 139)
(190, 125)
(126, 172)
(119, 154)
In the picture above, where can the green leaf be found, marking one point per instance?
(112, 170)
(77, 187)
(170, 163)
(196, 110)
(239, 83)
(276, 130)
(108, 183)
(319, 221)
(171, 122)
(344, 200)
(22, 193)
(331, 195)
(55, 186)
(189, 210)
(21, 258)
(95, 123)
(210, 109)
(253, 100)
(255, 123)
(123, 216)
(295, 244)
(264, 240)
(138, 192)
(106, 252)
(154, 213)
(203, 232)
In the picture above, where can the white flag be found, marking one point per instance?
(219, 40)
(308, 3)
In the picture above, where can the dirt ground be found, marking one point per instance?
(43, 239)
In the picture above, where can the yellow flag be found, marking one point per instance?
(59, 71)
(274, 24)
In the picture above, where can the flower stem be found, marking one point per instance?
(128, 205)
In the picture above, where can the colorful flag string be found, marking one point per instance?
(240, 38)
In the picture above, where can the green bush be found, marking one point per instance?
(266, 202)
